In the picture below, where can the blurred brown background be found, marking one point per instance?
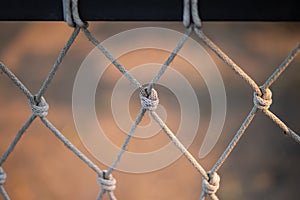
(264, 165)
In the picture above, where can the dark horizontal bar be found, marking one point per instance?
(152, 10)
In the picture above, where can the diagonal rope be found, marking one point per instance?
(235, 140)
(16, 139)
(17, 82)
(70, 146)
(179, 145)
(227, 60)
(111, 58)
(190, 11)
(56, 65)
(262, 100)
(281, 68)
(4, 193)
(71, 14)
(282, 125)
(171, 57)
(126, 142)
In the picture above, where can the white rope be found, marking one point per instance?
(190, 11)
(71, 14)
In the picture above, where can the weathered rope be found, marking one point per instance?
(40, 108)
(190, 10)
(16, 139)
(68, 144)
(17, 82)
(287, 61)
(180, 146)
(262, 99)
(171, 57)
(227, 60)
(71, 14)
(120, 67)
(4, 193)
(57, 63)
(126, 142)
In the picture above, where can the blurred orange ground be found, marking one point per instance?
(264, 165)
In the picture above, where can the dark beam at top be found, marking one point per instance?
(152, 10)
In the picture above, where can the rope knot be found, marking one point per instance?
(107, 184)
(212, 185)
(263, 102)
(40, 109)
(2, 176)
(150, 100)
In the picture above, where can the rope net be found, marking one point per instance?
(262, 100)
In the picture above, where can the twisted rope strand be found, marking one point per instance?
(282, 125)
(70, 146)
(195, 13)
(190, 9)
(235, 140)
(17, 82)
(126, 142)
(107, 174)
(170, 58)
(4, 193)
(71, 14)
(122, 69)
(281, 68)
(57, 63)
(227, 60)
(179, 145)
(293, 135)
(186, 13)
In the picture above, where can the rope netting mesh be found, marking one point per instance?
(262, 100)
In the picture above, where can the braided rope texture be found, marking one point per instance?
(262, 100)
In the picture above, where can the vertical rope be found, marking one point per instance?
(122, 69)
(190, 11)
(170, 58)
(228, 60)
